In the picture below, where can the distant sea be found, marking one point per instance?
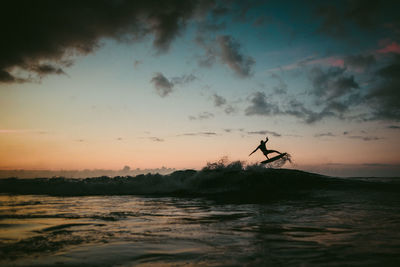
(219, 216)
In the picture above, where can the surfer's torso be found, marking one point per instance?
(263, 147)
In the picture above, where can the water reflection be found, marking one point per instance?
(129, 230)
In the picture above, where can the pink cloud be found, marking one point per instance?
(390, 48)
(326, 61)
(336, 62)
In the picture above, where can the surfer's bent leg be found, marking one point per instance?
(272, 151)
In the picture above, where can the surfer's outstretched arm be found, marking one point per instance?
(254, 151)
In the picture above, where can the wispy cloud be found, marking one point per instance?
(365, 138)
(22, 131)
(234, 130)
(350, 136)
(183, 79)
(206, 134)
(202, 116)
(328, 134)
(332, 61)
(153, 138)
(156, 139)
(265, 132)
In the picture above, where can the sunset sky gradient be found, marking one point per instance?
(103, 84)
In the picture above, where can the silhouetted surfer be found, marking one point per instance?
(264, 149)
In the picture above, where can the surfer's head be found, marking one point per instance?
(262, 141)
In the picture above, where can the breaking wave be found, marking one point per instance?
(282, 161)
(219, 179)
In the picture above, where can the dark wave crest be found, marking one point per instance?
(218, 179)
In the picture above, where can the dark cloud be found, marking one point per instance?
(293, 107)
(241, 9)
(338, 107)
(332, 109)
(210, 52)
(331, 24)
(229, 109)
(332, 83)
(265, 132)
(210, 26)
(384, 98)
(227, 50)
(46, 69)
(281, 88)
(220, 11)
(221, 102)
(202, 116)
(340, 18)
(163, 86)
(218, 100)
(260, 106)
(311, 117)
(231, 55)
(52, 31)
(334, 92)
(359, 61)
(206, 61)
(6, 77)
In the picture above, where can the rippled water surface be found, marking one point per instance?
(325, 228)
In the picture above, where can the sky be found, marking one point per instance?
(177, 84)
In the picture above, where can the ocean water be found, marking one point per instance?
(227, 216)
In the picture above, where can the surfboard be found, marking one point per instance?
(273, 159)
